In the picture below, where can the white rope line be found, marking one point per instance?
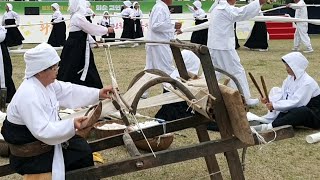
(22, 51)
(33, 24)
(261, 139)
(282, 7)
(194, 101)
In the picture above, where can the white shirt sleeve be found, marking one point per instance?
(16, 16)
(245, 12)
(160, 23)
(86, 26)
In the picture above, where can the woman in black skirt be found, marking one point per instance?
(57, 37)
(6, 67)
(128, 23)
(138, 32)
(13, 36)
(107, 21)
(199, 37)
(77, 62)
(258, 39)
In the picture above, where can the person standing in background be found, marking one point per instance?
(201, 36)
(107, 21)
(13, 36)
(6, 81)
(57, 37)
(138, 32)
(301, 34)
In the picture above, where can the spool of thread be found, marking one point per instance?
(313, 138)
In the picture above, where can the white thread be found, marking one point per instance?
(194, 101)
(140, 129)
(261, 139)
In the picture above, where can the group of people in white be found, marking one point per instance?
(52, 81)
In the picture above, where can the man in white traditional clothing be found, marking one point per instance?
(159, 56)
(33, 124)
(297, 102)
(221, 40)
(301, 34)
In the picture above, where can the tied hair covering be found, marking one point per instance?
(10, 7)
(40, 58)
(197, 4)
(127, 3)
(77, 6)
(55, 6)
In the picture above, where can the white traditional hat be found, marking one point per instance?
(127, 3)
(10, 7)
(77, 6)
(56, 6)
(197, 4)
(40, 58)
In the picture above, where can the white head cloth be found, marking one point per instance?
(10, 7)
(77, 6)
(56, 6)
(3, 32)
(297, 62)
(88, 4)
(197, 4)
(40, 58)
(127, 3)
(191, 61)
(134, 3)
(106, 13)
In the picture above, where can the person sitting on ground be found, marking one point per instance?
(33, 123)
(297, 102)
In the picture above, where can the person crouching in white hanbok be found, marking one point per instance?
(297, 102)
(33, 124)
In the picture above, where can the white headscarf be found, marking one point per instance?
(77, 6)
(127, 3)
(40, 58)
(134, 3)
(197, 4)
(10, 7)
(106, 13)
(297, 62)
(56, 6)
(88, 4)
(3, 32)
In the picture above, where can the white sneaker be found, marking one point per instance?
(308, 51)
(295, 49)
(252, 102)
(262, 127)
(122, 46)
(263, 50)
(135, 45)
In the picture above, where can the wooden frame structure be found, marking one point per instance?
(228, 144)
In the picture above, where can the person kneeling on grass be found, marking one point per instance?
(297, 102)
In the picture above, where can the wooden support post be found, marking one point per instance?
(220, 112)
(179, 62)
(211, 161)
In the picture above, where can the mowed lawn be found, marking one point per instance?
(287, 159)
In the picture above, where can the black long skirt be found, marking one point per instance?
(73, 60)
(57, 37)
(7, 65)
(13, 36)
(138, 28)
(200, 37)
(259, 37)
(128, 28)
(77, 155)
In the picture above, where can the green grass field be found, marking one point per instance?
(288, 159)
